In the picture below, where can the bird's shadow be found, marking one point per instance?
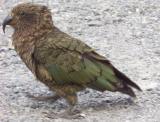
(113, 103)
(86, 102)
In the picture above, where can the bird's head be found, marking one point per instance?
(28, 17)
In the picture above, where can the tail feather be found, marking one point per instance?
(111, 79)
(126, 80)
(127, 90)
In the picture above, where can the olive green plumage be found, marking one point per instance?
(71, 61)
(63, 63)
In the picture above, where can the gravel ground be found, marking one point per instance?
(125, 31)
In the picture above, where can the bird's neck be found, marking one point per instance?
(35, 32)
(22, 39)
(24, 43)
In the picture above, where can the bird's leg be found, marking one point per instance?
(44, 98)
(69, 93)
(72, 100)
(72, 112)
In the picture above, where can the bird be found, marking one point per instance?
(66, 65)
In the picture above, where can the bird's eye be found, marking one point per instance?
(22, 13)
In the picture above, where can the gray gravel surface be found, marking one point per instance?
(125, 31)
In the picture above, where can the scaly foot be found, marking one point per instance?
(71, 113)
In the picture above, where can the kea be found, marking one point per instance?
(66, 65)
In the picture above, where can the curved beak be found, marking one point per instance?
(6, 21)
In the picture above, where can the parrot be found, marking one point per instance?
(66, 65)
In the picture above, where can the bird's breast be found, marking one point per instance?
(25, 50)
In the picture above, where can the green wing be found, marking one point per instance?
(70, 61)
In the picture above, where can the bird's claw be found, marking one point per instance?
(50, 115)
(64, 115)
